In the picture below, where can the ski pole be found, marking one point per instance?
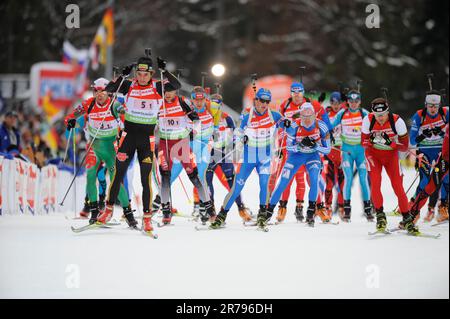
(92, 142)
(75, 172)
(409, 188)
(184, 189)
(67, 146)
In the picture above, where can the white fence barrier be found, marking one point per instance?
(26, 189)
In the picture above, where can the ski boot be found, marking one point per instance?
(243, 212)
(406, 217)
(320, 211)
(207, 212)
(101, 202)
(86, 209)
(196, 211)
(219, 222)
(368, 211)
(282, 209)
(443, 212)
(129, 217)
(94, 213)
(156, 205)
(262, 218)
(147, 222)
(381, 220)
(430, 215)
(299, 211)
(106, 215)
(167, 213)
(347, 211)
(409, 224)
(340, 211)
(310, 212)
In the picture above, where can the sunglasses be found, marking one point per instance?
(264, 101)
(432, 105)
(354, 101)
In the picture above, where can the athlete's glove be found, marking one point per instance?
(245, 139)
(71, 123)
(387, 140)
(333, 141)
(287, 123)
(372, 138)
(427, 132)
(121, 109)
(438, 131)
(127, 70)
(161, 63)
(308, 142)
(193, 116)
(322, 97)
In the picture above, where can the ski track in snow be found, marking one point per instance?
(40, 257)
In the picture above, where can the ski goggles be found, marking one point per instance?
(218, 101)
(264, 101)
(432, 105)
(198, 96)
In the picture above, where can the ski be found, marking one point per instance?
(88, 227)
(149, 234)
(380, 232)
(425, 235)
(440, 223)
(164, 225)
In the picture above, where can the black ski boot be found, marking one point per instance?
(299, 211)
(156, 205)
(310, 213)
(94, 208)
(129, 217)
(409, 225)
(368, 210)
(347, 211)
(219, 222)
(167, 213)
(261, 220)
(381, 220)
(101, 202)
(207, 212)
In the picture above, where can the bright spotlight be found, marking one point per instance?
(218, 70)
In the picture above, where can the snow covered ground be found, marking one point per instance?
(41, 258)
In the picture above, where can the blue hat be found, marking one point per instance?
(335, 97)
(353, 95)
(297, 87)
(264, 94)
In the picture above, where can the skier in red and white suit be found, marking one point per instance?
(384, 135)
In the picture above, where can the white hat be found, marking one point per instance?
(433, 99)
(100, 84)
(307, 109)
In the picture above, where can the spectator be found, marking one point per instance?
(9, 135)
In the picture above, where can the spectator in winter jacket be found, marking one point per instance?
(9, 135)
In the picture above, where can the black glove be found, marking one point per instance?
(308, 142)
(420, 138)
(193, 116)
(71, 123)
(387, 140)
(372, 138)
(127, 70)
(161, 63)
(322, 97)
(191, 135)
(333, 141)
(440, 171)
(427, 132)
(437, 130)
(245, 139)
(287, 123)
